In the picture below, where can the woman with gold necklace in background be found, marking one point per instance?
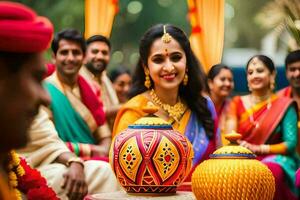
(268, 125)
(169, 76)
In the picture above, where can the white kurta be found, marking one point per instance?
(45, 146)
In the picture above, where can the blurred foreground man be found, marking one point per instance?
(23, 38)
(66, 173)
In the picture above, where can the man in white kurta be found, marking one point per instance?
(44, 151)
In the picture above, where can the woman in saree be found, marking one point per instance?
(121, 80)
(268, 125)
(220, 85)
(169, 76)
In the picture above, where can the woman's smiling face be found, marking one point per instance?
(166, 64)
(222, 84)
(258, 75)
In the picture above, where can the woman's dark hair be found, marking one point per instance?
(118, 71)
(191, 93)
(265, 59)
(215, 70)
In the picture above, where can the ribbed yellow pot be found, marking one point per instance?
(232, 172)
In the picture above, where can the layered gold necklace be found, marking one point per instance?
(175, 112)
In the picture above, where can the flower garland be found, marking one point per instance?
(22, 178)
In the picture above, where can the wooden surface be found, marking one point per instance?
(122, 195)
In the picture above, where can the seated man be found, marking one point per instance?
(67, 174)
(76, 111)
(97, 58)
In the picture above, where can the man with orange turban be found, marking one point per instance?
(23, 38)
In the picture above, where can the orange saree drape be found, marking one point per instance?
(207, 36)
(99, 17)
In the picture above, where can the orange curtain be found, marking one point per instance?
(207, 37)
(99, 16)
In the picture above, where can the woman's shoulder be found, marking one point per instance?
(284, 102)
(139, 101)
(209, 102)
(282, 98)
(238, 98)
(211, 106)
(129, 113)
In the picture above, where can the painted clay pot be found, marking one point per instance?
(150, 157)
(232, 172)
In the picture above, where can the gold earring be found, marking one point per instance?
(185, 79)
(147, 82)
(249, 88)
(272, 85)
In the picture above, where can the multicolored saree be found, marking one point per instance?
(272, 122)
(259, 122)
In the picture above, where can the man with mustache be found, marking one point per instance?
(292, 67)
(77, 113)
(292, 71)
(24, 37)
(95, 63)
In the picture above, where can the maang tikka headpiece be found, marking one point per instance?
(166, 38)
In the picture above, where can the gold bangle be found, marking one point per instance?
(264, 149)
(75, 159)
(86, 150)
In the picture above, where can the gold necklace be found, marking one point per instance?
(257, 99)
(175, 112)
(250, 111)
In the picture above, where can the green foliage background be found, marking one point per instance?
(240, 31)
(127, 29)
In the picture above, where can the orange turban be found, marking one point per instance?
(21, 30)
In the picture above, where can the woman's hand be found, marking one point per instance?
(257, 149)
